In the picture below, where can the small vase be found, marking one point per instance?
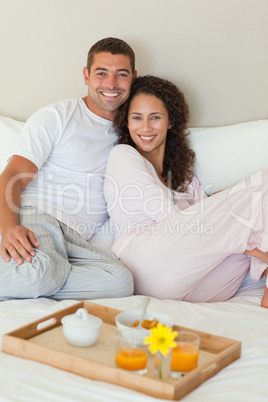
(161, 366)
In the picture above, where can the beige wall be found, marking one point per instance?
(215, 50)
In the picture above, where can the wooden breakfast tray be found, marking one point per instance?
(43, 341)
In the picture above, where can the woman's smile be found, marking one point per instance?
(147, 139)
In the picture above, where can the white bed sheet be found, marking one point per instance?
(240, 318)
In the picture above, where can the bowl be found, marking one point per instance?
(81, 329)
(125, 319)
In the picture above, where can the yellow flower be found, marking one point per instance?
(161, 339)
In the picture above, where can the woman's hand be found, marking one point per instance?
(261, 255)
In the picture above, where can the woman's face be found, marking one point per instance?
(148, 123)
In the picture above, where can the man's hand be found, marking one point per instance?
(17, 243)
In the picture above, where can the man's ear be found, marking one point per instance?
(134, 75)
(86, 75)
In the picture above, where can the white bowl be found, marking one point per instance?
(81, 329)
(125, 319)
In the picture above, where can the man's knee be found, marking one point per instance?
(41, 277)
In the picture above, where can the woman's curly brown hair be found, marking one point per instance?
(179, 157)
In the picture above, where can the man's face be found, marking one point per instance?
(109, 82)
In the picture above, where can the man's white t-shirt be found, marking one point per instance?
(69, 145)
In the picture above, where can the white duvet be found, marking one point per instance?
(240, 318)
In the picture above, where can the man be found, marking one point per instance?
(51, 200)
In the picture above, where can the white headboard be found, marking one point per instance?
(216, 51)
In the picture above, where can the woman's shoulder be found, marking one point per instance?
(122, 151)
(125, 158)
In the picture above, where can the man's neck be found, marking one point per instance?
(104, 114)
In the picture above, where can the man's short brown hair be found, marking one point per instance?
(113, 46)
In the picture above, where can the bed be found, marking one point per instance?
(240, 318)
(216, 52)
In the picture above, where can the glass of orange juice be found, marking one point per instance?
(130, 351)
(184, 356)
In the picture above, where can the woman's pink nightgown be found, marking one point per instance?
(184, 246)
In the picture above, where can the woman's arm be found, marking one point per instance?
(132, 182)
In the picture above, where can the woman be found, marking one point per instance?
(177, 242)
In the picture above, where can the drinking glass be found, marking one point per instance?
(184, 356)
(130, 351)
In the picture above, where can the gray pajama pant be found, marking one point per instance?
(65, 266)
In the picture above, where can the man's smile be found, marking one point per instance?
(110, 94)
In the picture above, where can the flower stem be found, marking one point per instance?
(161, 367)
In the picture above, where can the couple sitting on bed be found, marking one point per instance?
(170, 238)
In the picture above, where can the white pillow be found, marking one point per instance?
(224, 155)
(9, 132)
(228, 154)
